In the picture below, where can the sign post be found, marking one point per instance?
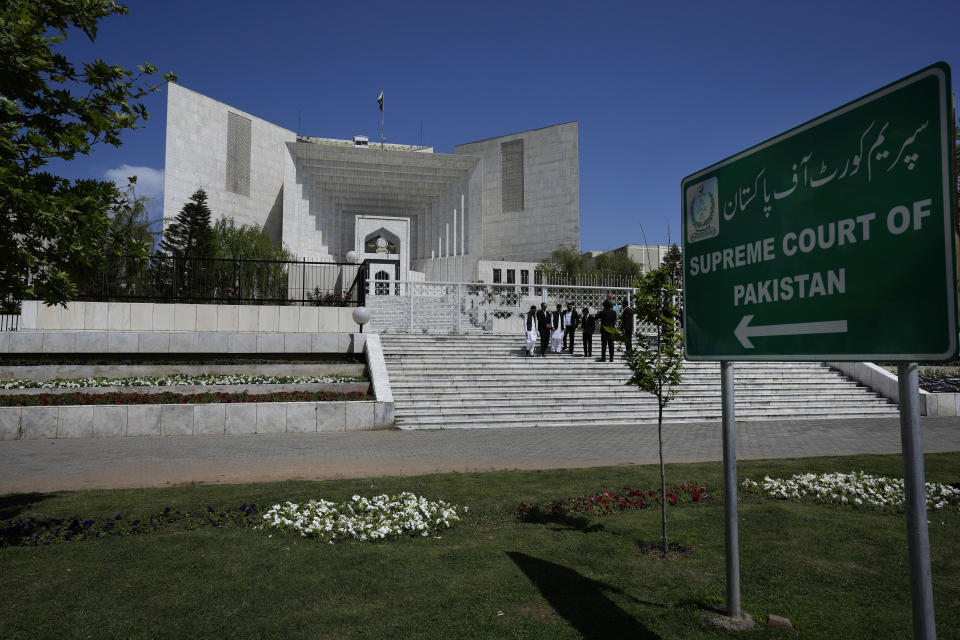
(834, 241)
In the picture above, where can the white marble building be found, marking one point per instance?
(510, 199)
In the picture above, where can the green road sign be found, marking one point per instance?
(832, 241)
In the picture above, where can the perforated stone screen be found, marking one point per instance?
(511, 175)
(238, 154)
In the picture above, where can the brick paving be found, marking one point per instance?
(51, 465)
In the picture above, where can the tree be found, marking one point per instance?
(130, 222)
(52, 234)
(618, 264)
(127, 250)
(657, 360)
(566, 260)
(188, 245)
(190, 234)
(241, 276)
(673, 263)
(247, 241)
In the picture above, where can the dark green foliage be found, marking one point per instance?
(185, 270)
(673, 263)
(617, 263)
(567, 260)
(567, 265)
(130, 224)
(34, 532)
(131, 238)
(52, 236)
(247, 241)
(190, 235)
(242, 243)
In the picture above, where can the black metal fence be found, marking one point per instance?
(161, 278)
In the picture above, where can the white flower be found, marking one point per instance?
(857, 487)
(173, 380)
(363, 518)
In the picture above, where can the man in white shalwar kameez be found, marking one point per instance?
(532, 329)
(556, 338)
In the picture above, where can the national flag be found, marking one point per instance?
(380, 100)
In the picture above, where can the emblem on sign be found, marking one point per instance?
(703, 214)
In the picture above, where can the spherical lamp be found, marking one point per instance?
(353, 256)
(361, 315)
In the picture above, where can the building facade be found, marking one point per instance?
(513, 198)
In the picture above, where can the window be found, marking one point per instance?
(511, 276)
(537, 279)
(382, 288)
(524, 279)
(496, 276)
(511, 176)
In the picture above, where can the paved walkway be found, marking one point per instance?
(50, 465)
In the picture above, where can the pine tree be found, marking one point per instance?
(190, 234)
(673, 263)
(188, 245)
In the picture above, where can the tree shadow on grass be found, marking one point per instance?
(563, 521)
(16, 503)
(581, 601)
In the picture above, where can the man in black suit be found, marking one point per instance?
(545, 327)
(571, 320)
(606, 318)
(589, 323)
(626, 325)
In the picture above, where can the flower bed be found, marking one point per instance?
(605, 502)
(175, 380)
(377, 518)
(9, 360)
(364, 519)
(857, 489)
(169, 397)
(26, 532)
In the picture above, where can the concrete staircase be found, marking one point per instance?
(479, 381)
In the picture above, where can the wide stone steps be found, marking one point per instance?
(480, 381)
(468, 400)
(593, 416)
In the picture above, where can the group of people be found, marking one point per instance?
(557, 330)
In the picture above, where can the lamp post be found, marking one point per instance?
(361, 315)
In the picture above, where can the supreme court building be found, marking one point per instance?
(499, 205)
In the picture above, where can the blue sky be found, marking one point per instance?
(659, 91)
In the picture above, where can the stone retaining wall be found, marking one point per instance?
(31, 423)
(168, 342)
(201, 419)
(202, 318)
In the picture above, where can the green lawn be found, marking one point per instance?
(833, 571)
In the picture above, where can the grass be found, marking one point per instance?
(833, 571)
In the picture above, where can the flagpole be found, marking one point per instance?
(381, 117)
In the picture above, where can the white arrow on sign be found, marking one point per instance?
(744, 331)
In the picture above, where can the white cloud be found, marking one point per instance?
(149, 181)
(149, 184)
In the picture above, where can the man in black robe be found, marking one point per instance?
(589, 324)
(626, 326)
(606, 318)
(545, 327)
